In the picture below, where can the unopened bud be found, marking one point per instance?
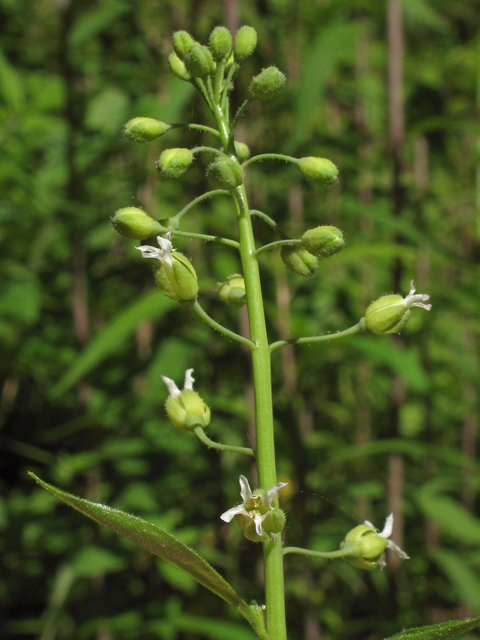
(299, 260)
(174, 162)
(367, 547)
(242, 151)
(178, 67)
(389, 314)
(268, 84)
(244, 43)
(186, 409)
(144, 129)
(182, 43)
(220, 42)
(323, 241)
(318, 170)
(135, 223)
(199, 61)
(232, 292)
(225, 174)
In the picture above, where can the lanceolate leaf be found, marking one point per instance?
(440, 631)
(162, 544)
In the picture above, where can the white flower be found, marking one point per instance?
(416, 300)
(164, 254)
(173, 390)
(255, 509)
(388, 528)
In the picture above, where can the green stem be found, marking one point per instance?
(203, 236)
(208, 150)
(175, 220)
(263, 216)
(359, 327)
(200, 433)
(198, 82)
(276, 245)
(226, 86)
(265, 450)
(196, 127)
(350, 549)
(238, 115)
(270, 156)
(201, 313)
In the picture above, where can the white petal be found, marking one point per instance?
(369, 524)
(382, 564)
(173, 390)
(269, 495)
(189, 379)
(388, 528)
(165, 245)
(258, 523)
(234, 511)
(245, 491)
(397, 551)
(412, 288)
(150, 252)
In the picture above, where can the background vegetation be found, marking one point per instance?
(365, 426)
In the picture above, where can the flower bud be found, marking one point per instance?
(390, 313)
(178, 67)
(144, 129)
(174, 275)
(273, 523)
(242, 151)
(199, 61)
(299, 260)
(268, 84)
(225, 174)
(232, 292)
(220, 42)
(318, 170)
(135, 223)
(174, 162)
(244, 43)
(182, 43)
(368, 552)
(186, 409)
(324, 241)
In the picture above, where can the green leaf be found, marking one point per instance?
(113, 337)
(459, 571)
(451, 516)
(445, 630)
(162, 544)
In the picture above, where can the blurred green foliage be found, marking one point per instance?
(84, 339)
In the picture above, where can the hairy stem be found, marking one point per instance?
(201, 435)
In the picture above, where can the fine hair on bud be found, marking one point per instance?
(199, 61)
(318, 170)
(244, 43)
(135, 224)
(268, 84)
(220, 43)
(174, 162)
(178, 68)
(242, 151)
(144, 129)
(182, 43)
(299, 260)
(324, 241)
(225, 174)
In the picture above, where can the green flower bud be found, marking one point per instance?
(242, 151)
(268, 84)
(318, 170)
(178, 67)
(244, 43)
(199, 61)
(220, 42)
(182, 43)
(174, 162)
(390, 313)
(324, 241)
(174, 275)
(299, 260)
(274, 523)
(144, 129)
(232, 292)
(135, 223)
(185, 409)
(230, 61)
(225, 174)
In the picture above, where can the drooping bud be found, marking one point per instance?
(318, 170)
(182, 43)
(232, 292)
(178, 67)
(174, 162)
(242, 151)
(220, 42)
(324, 241)
(244, 43)
(225, 174)
(134, 223)
(389, 314)
(174, 275)
(185, 409)
(299, 260)
(199, 61)
(144, 129)
(268, 84)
